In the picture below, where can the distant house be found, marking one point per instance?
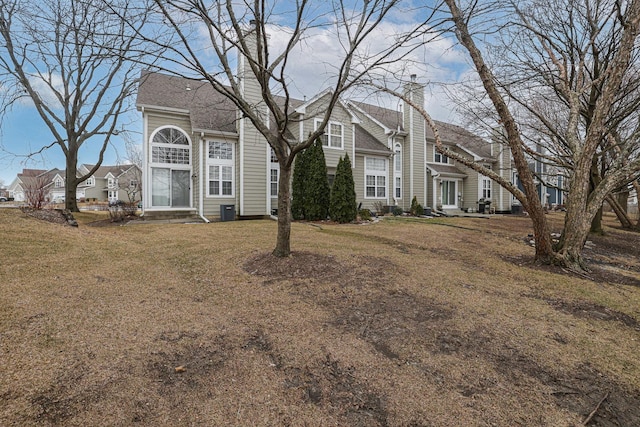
(108, 183)
(201, 154)
(30, 180)
(551, 181)
(111, 183)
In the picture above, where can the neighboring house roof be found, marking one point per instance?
(208, 109)
(445, 170)
(365, 142)
(103, 171)
(44, 178)
(459, 136)
(391, 119)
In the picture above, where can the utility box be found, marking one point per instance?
(516, 209)
(427, 211)
(227, 212)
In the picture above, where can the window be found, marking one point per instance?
(113, 195)
(274, 182)
(440, 158)
(91, 181)
(170, 145)
(397, 172)
(111, 182)
(448, 193)
(133, 184)
(220, 168)
(375, 177)
(273, 174)
(59, 183)
(333, 134)
(486, 188)
(170, 168)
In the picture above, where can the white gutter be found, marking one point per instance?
(201, 177)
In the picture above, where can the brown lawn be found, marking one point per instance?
(401, 323)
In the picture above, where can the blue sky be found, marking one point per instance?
(23, 132)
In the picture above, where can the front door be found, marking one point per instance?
(170, 187)
(180, 187)
(448, 194)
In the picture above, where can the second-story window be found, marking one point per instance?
(440, 158)
(333, 134)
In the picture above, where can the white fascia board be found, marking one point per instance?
(216, 133)
(302, 109)
(144, 107)
(476, 157)
(373, 119)
(374, 152)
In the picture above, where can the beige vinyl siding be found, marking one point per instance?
(252, 178)
(96, 192)
(156, 121)
(405, 201)
(418, 160)
(339, 115)
(358, 182)
(373, 128)
(211, 205)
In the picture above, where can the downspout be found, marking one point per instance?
(200, 188)
(145, 163)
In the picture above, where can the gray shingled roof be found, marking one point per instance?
(452, 134)
(367, 142)
(102, 171)
(211, 111)
(208, 109)
(443, 169)
(390, 118)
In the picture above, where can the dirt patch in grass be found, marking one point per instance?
(399, 323)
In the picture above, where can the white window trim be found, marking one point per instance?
(397, 150)
(184, 166)
(456, 186)
(273, 165)
(327, 132)
(169, 166)
(221, 163)
(440, 162)
(489, 187)
(377, 173)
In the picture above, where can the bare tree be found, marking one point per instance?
(562, 68)
(242, 29)
(134, 156)
(35, 191)
(73, 60)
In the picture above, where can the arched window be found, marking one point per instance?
(170, 168)
(170, 145)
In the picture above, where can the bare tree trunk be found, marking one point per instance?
(596, 223)
(620, 212)
(542, 235)
(283, 239)
(71, 179)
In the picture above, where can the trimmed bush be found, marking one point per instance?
(416, 208)
(310, 190)
(343, 207)
(317, 192)
(300, 172)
